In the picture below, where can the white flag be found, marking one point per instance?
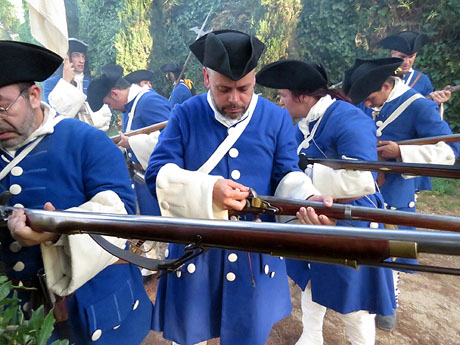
(48, 24)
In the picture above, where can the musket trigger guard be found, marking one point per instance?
(347, 212)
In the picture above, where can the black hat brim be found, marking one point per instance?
(100, 87)
(368, 76)
(292, 75)
(138, 76)
(407, 42)
(25, 62)
(231, 53)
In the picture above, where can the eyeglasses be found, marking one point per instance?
(4, 110)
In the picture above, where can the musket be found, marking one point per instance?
(144, 130)
(189, 56)
(416, 169)
(264, 204)
(450, 89)
(333, 244)
(449, 138)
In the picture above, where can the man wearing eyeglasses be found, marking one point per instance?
(43, 166)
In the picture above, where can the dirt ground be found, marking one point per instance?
(429, 313)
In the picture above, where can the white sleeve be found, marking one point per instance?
(66, 98)
(342, 183)
(143, 146)
(439, 153)
(185, 193)
(75, 259)
(294, 185)
(101, 118)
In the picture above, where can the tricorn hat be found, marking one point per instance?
(101, 86)
(407, 42)
(368, 76)
(293, 75)
(171, 67)
(25, 62)
(138, 76)
(76, 45)
(231, 53)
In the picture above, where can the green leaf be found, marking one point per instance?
(46, 329)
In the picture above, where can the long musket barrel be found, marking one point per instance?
(145, 130)
(449, 138)
(333, 244)
(265, 237)
(434, 170)
(282, 206)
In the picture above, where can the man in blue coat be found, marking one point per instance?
(45, 166)
(183, 88)
(66, 90)
(141, 107)
(214, 147)
(400, 113)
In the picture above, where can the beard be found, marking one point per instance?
(23, 131)
(230, 110)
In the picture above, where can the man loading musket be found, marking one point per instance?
(215, 146)
(44, 167)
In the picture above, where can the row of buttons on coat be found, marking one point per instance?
(410, 204)
(98, 332)
(235, 174)
(230, 276)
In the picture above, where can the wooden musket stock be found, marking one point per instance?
(144, 130)
(451, 90)
(333, 244)
(282, 206)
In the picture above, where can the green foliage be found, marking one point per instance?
(99, 23)
(9, 22)
(445, 186)
(134, 42)
(15, 329)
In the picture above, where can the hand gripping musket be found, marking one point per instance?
(449, 138)
(450, 89)
(434, 170)
(263, 204)
(331, 244)
(144, 130)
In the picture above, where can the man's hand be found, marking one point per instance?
(441, 96)
(68, 72)
(25, 235)
(309, 216)
(388, 149)
(124, 141)
(229, 195)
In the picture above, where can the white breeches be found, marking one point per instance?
(359, 325)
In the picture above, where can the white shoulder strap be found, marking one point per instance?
(16, 160)
(131, 113)
(397, 112)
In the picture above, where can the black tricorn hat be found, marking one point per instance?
(293, 75)
(407, 42)
(76, 45)
(171, 67)
(231, 53)
(138, 76)
(101, 86)
(25, 62)
(368, 76)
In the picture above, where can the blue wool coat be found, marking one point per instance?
(423, 84)
(150, 109)
(50, 83)
(192, 307)
(421, 119)
(345, 130)
(180, 94)
(68, 172)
